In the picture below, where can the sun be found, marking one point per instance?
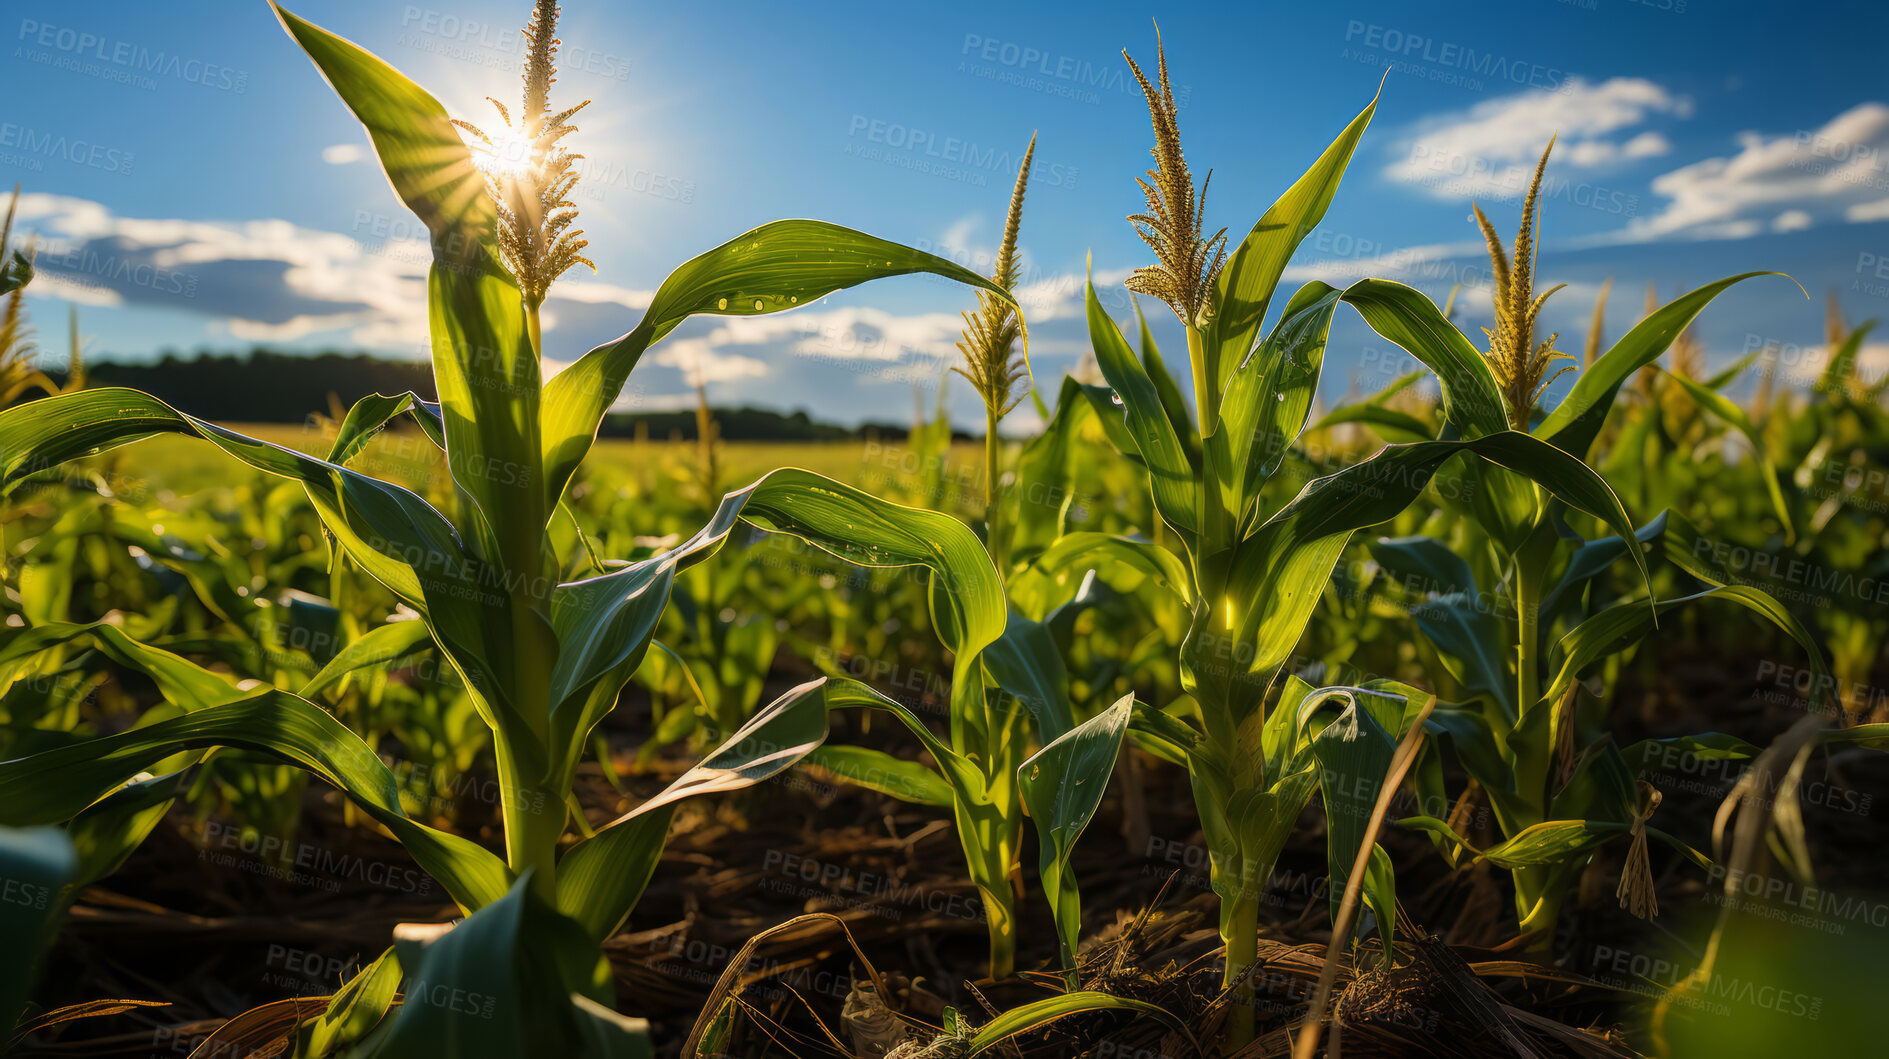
(509, 154)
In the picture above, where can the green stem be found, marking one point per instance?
(993, 489)
(1531, 571)
(534, 813)
(534, 820)
(1206, 398)
(1538, 896)
(1242, 943)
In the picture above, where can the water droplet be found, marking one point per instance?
(723, 304)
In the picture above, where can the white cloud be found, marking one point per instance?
(1867, 211)
(700, 362)
(342, 154)
(1491, 149)
(1836, 172)
(264, 280)
(1791, 221)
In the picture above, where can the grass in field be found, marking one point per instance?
(184, 465)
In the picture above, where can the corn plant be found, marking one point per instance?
(1007, 681)
(1557, 785)
(542, 658)
(1249, 577)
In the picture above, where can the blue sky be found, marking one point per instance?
(194, 183)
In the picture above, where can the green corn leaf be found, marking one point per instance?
(180, 681)
(1062, 787)
(1843, 360)
(860, 528)
(1577, 419)
(876, 770)
(35, 863)
(1172, 402)
(1039, 1013)
(1589, 561)
(1723, 378)
(507, 981)
(422, 152)
(111, 829)
(774, 267)
(601, 878)
(1043, 488)
(58, 784)
(1472, 400)
(1354, 748)
(1171, 475)
(1108, 415)
(1552, 842)
(389, 532)
(1390, 424)
(1625, 624)
(1424, 565)
(381, 646)
(1467, 631)
(1648, 755)
(356, 1008)
(1726, 409)
(1024, 662)
(1246, 284)
(1284, 566)
(483, 363)
(1269, 396)
(1077, 553)
(371, 413)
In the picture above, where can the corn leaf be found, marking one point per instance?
(1726, 409)
(774, 267)
(36, 863)
(1472, 401)
(507, 981)
(876, 770)
(1577, 419)
(356, 1008)
(1246, 284)
(1171, 475)
(1062, 786)
(58, 784)
(1039, 1013)
(1269, 397)
(601, 878)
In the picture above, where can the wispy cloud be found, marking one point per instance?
(1490, 149)
(1785, 182)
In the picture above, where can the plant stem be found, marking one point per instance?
(533, 823)
(1242, 943)
(1538, 905)
(1531, 570)
(534, 814)
(993, 489)
(1206, 399)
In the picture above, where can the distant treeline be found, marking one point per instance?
(266, 386)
